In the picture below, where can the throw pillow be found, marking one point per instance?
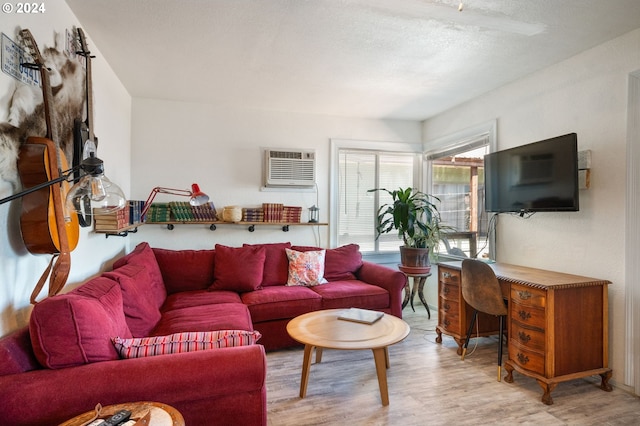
(306, 268)
(238, 269)
(276, 264)
(183, 342)
(143, 256)
(140, 310)
(341, 263)
(184, 270)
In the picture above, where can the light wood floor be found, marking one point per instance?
(429, 385)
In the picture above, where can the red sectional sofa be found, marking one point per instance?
(65, 362)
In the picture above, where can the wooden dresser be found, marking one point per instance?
(557, 325)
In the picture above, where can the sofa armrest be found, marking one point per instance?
(198, 384)
(391, 280)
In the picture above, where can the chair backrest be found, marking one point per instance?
(481, 289)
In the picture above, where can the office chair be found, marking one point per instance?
(481, 290)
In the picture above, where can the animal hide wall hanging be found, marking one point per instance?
(35, 142)
(25, 110)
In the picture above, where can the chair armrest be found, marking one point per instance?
(390, 279)
(53, 396)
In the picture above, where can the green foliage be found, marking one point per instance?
(413, 214)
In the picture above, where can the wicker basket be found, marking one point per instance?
(232, 214)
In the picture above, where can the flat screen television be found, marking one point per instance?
(538, 177)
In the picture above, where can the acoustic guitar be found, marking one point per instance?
(46, 223)
(83, 137)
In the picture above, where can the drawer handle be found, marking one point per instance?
(524, 337)
(522, 359)
(447, 307)
(524, 295)
(446, 274)
(524, 315)
(447, 323)
(445, 290)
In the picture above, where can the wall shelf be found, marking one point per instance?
(122, 232)
(251, 226)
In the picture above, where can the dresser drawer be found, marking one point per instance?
(449, 321)
(526, 337)
(527, 315)
(449, 306)
(448, 276)
(525, 358)
(450, 292)
(528, 296)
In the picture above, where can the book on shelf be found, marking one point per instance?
(253, 214)
(364, 316)
(110, 221)
(135, 211)
(272, 212)
(102, 214)
(181, 211)
(205, 212)
(158, 212)
(109, 227)
(291, 214)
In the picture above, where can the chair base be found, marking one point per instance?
(501, 338)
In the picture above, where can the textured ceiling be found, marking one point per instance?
(403, 59)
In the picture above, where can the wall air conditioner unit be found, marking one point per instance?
(290, 168)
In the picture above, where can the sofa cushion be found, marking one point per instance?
(306, 268)
(238, 268)
(278, 302)
(76, 328)
(16, 353)
(340, 263)
(276, 263)
(186, 299)
(352, 294)
(140, 310)
(183, 342)
(185, 270)
(221, 316)
(143, 256)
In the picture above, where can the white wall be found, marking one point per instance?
(19, 270)
(176, 143)
(586, 94)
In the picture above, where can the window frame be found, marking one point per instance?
(459, 141)
(334, 177)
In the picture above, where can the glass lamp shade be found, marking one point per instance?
(96, 192)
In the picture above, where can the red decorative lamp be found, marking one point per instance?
(196, 196)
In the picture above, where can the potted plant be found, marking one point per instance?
(417, 220)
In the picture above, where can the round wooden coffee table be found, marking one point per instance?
(151, 413)
(323, 329)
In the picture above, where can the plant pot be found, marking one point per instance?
(415, 270)
(414, 257)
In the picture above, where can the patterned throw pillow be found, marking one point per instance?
(306, 268)
(183, 342)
